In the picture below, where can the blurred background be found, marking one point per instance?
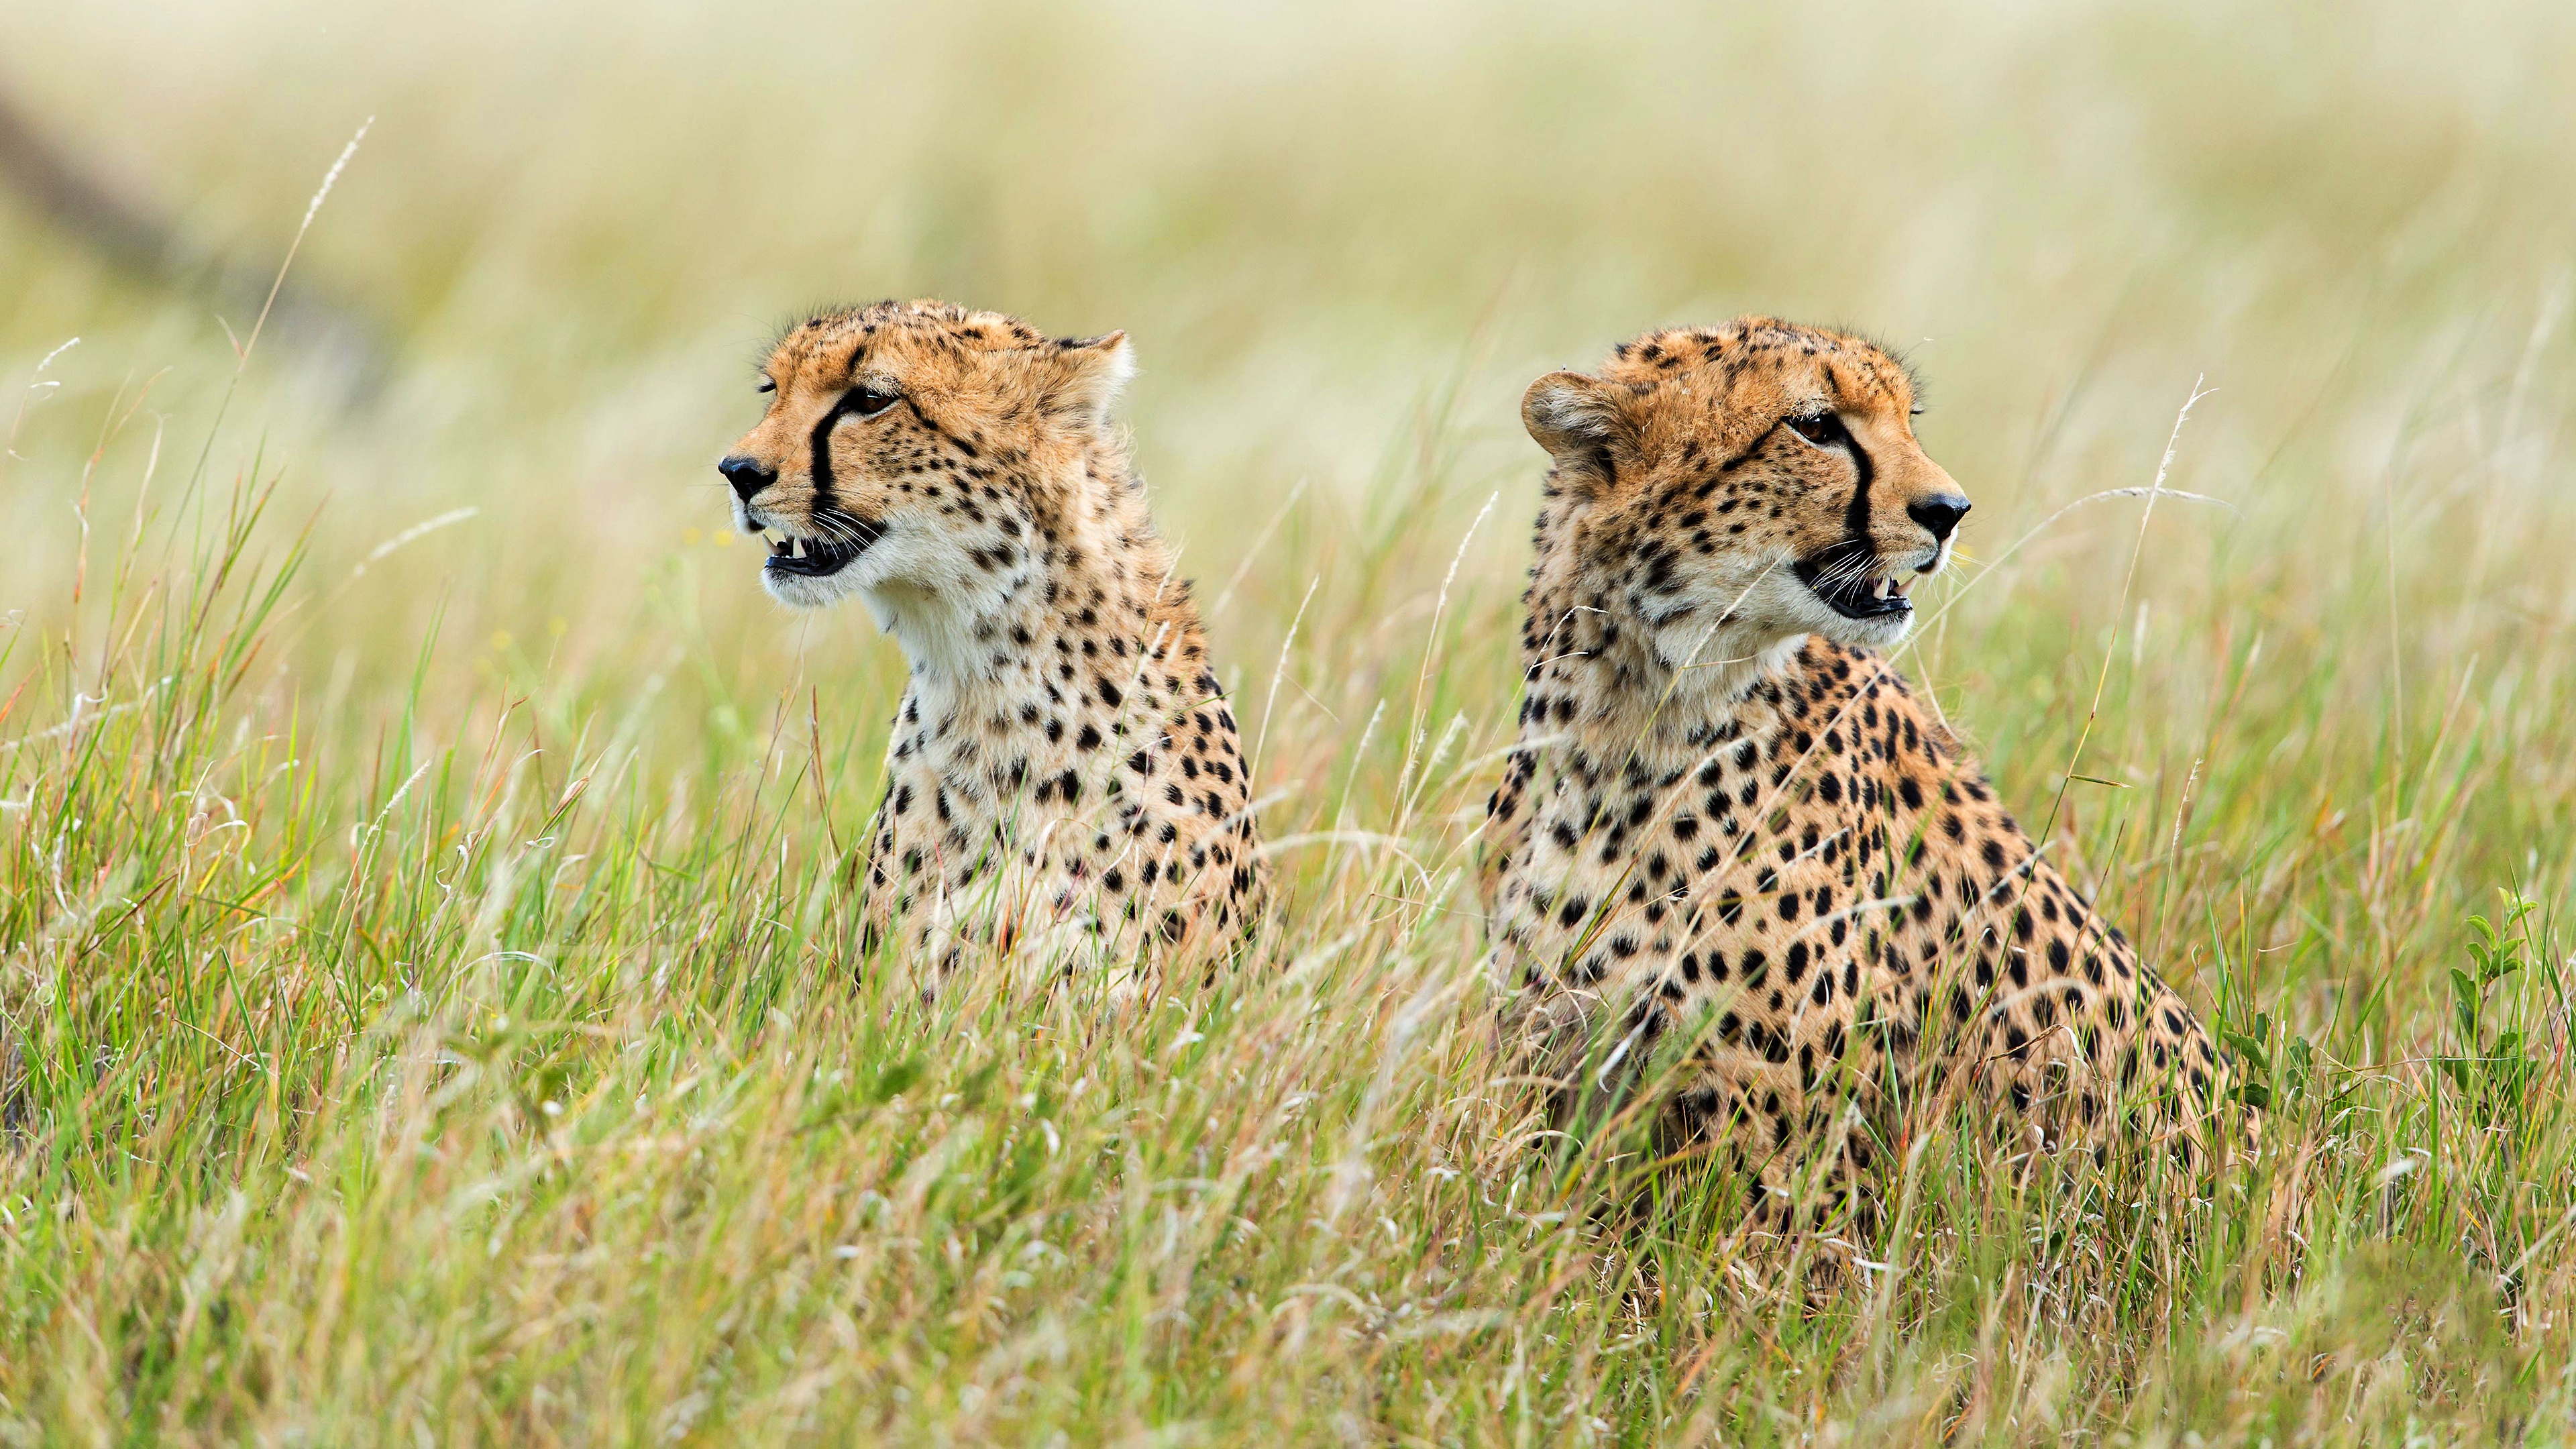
(1344, 236)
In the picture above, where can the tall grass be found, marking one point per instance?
(433, 1002)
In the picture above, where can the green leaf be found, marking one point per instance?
(2251, 1050)
(2465, 998)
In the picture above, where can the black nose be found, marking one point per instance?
(1940, 513)
(748, 477)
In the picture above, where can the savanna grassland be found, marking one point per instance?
(434, 1005)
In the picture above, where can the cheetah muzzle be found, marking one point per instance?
(1853, 582)
(838, 545)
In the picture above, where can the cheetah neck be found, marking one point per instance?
(935, 629)
(1089, 567)
(1612, 684)
(1057, 652)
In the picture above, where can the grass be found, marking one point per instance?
(425, 943)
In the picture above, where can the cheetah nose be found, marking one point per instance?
(746, 476)
(1940, 513)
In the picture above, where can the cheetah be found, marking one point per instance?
(1064, 783)
(1729, 831)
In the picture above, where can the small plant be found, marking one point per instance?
(2267, 1082)
(2492, 1067)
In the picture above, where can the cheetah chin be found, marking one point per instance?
(811, 572)
(1863, 589)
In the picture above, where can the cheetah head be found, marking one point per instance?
(1740, 486)
(913, 453)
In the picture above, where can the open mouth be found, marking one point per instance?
(1848, 578)
(815, 558)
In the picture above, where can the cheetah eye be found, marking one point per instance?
(867, 402)
(1822, 429)
(767, 384)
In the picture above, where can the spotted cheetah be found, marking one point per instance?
(1729, 831)
(1064, 781)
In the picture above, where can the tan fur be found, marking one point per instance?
(1729, 827)
(1064, 780)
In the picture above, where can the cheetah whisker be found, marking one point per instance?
(2016, 546)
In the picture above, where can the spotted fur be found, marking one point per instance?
(1729, 830)
(1064, 779)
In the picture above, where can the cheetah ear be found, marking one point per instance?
(1584, 423)
(1093, 372)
